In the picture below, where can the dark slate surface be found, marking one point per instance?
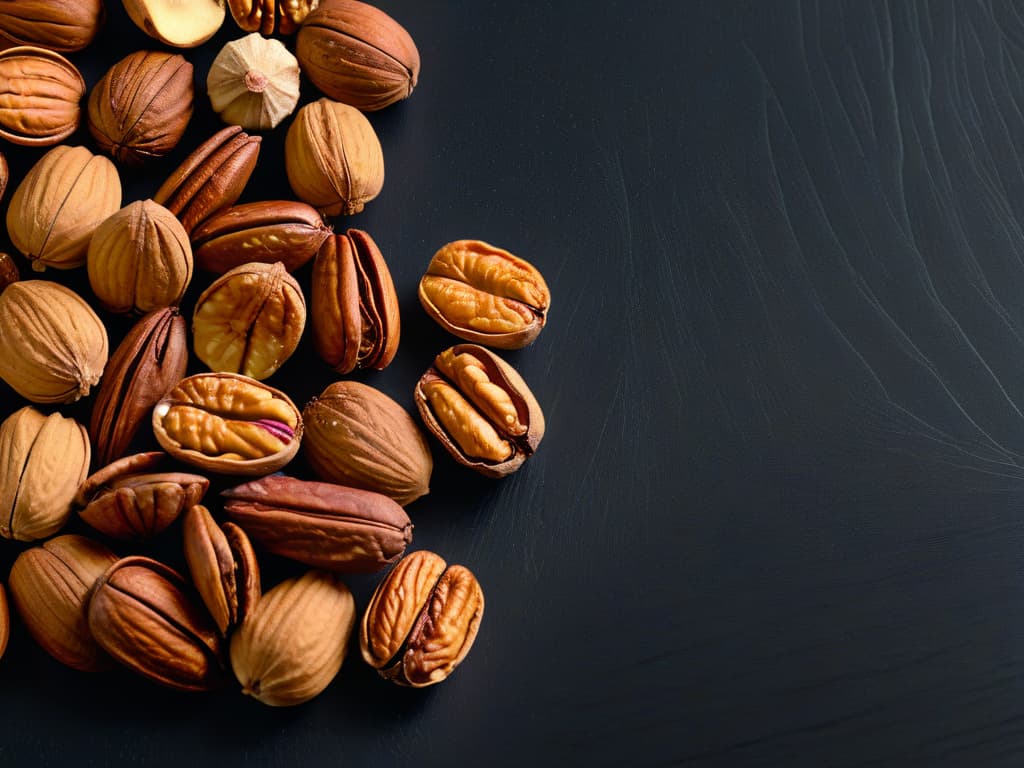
(776, 518)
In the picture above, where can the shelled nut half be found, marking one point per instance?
(40, 93)
(143, 614)
(321, 524)
(480, 409)
(229, 424)
(421, 621)
(355, 315)
(485, 294)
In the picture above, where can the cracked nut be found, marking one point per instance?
(143, 614)
(64, 26)
(223, 567)
(263, 15)
(480, 409)
(50, 587)
(358, 436)
(355, 317)
(320, 524)
(292, 646)
(40, 93)
(229, 424)
(180, 23)
(485, 294)
(265, 232)
(128, 500)
(421, 621)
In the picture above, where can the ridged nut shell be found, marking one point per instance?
(357, 54)
(139, 259)
(50, 587)
(58, 205)
(140, 108)
(145, 615)
(59, 26)
(356, 435)
(43, 460)
(254, 82)
(149, 361)
(40, 93)
(293, 645)
(333, 158)
(55, 347)
(421, 621)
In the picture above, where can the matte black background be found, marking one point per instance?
(776, 517)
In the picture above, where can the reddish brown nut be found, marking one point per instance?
(59, 26)
(40, 93)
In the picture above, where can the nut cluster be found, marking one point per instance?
(207, 457)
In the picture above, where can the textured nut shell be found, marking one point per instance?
(485, 294)
(55, 347)
(60, 26)
(5, 175)
(139, 259)
(321, 524)
(528, 411)
(254, 82)
(43, 460)
(356, 435)
(357, 54)
(292, 646)
(140, 108)
(5, 621)
(264, 232)
(142, 613)
(212, 178)
(249, 320)
(223, 567)
(355, 314)
(50, 587)
(40, 93)
(199, 385)
(181, 23)
(262, 15)
(151, 359)
(333, 158)
(139, 506)
(59, 203)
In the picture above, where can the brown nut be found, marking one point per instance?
(223, 567)
(8, 270)
(40, 93)
(262, 15)
(143, 614)
(421, 621)
(50, 587)
(151, 359)
(357, 54)
(333, 158)
(485, 294)
(249, 320)
(355, 317)
(212, 178)
(139, 259)
(63, 26)
(480, 409)
(265, 232)
(321, 524)
(359, 437)
(127, 500)
(5, 175)
(5, 621)
(141, 106)
(42, 461)
(294, 643)
(230, 424)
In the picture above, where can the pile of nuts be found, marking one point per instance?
(90, 608)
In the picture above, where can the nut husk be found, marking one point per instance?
(357, 54)
(254, 82)
(356, 435)
(50, 587)
(59, 26)
(40, 93)
(321, 524)
(293, 645)
(355, 315)
(59, 203)
(421, 621)
(333, 158)
(140, 108)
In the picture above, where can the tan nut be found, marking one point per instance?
(40, 93)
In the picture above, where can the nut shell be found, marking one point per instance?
(5, 621)
(40, 93)
(254, 82)
(59, 26)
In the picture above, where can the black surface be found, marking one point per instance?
(776, 517)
